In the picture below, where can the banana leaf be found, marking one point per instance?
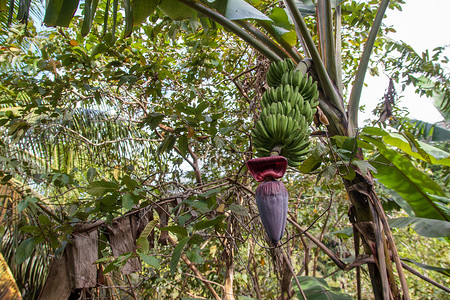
(396, 172)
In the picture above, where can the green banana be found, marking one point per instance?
(276, 71)
(287, 110)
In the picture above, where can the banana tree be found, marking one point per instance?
(317, 53)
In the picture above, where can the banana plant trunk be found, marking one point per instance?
(360, 195)
(365, 215)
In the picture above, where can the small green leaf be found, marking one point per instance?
(111, 266)
(29, 229)
(195, 239)
(347, 172)
(202, 206)
(364, 166)
(208, 223)
(167, 144)
(150, 260)
(178, 230)
(183, 145)
(177, 254)
(100, 188)
(24, 250)
(90, 174)
(329, 172)
(43, 220)
(211, 192)
(201, 107)
(127, 201)
(310, 164)
(195, 257)
(143, 245)
(98, 49)
(22, 205)
(238, 209)
(148, 228)
(25, 202)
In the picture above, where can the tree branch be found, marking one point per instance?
(198, 274)
(319, 244)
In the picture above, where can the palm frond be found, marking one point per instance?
(29, 275)
(8, 286)
(83, 137)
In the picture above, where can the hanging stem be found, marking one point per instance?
(291, 268)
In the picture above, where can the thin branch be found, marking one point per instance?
(198, 174)
(291, 268)
(198, 274)
(204, 280)
(415, 272)
(319, 244)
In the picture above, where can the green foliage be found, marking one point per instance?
(318, 289)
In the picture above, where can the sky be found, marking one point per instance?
(422, 26)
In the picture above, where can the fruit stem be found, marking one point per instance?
(275, 151)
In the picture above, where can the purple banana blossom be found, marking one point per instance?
(272, 201)
(271, 195)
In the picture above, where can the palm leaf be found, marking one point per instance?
(29, 275)
(8, 286)
(429, 131)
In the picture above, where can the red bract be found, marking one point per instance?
(267, 167)
(272, 201)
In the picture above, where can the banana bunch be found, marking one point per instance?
(276, 71)
(288, 108)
